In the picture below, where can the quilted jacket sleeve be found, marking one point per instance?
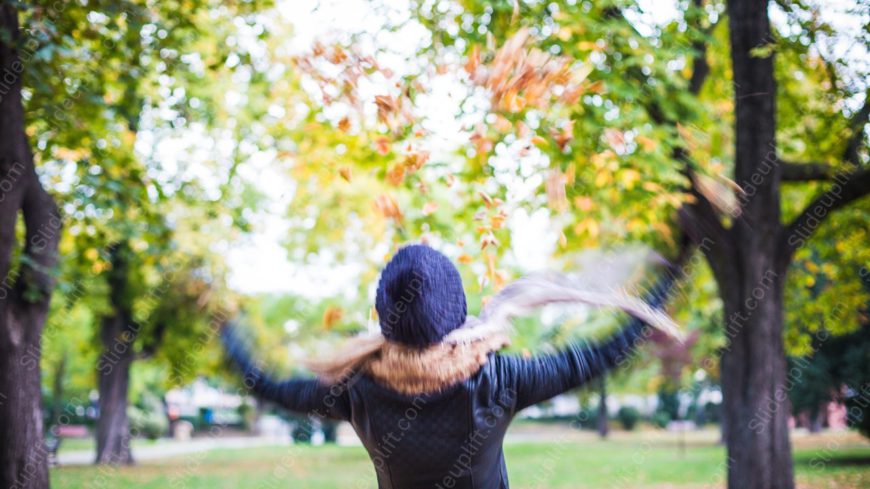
(302, 395)
(538, 378)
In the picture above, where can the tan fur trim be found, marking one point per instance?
(418, 371)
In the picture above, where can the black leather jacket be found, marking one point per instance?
(450, 439)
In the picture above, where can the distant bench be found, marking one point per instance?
(57, 433)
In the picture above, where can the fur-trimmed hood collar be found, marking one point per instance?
(424, 371)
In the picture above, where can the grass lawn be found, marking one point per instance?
(78, 444)
(653, 460)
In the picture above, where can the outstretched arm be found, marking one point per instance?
(536, 379)
(302, 395)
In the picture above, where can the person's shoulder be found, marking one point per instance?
(497, 376)
(499, 367)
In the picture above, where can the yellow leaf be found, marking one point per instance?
(629, 177)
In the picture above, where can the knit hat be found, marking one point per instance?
(420, 298)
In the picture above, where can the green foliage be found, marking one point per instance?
(628, 417)
(835, 371)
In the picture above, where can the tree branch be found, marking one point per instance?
(847, 187)
(805, 172)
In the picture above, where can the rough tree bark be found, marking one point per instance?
(27, 283)
(118, 333)
(751, 280)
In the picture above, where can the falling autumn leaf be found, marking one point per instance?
(415, 160)
(465, 259)
(388, 207)
(564, 135)
(331, 316)
(387, 106)
(489, 201)
(396, 174)
(557, 198)
(488, 240)
(337, 55)
(345, 173)
(539, 141)
(382, 145)
(498, 219)
(344, 124)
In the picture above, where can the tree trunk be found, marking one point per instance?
(602, 407)
(26, 285)
(113, 426)
(118, 333)
(817, 418)
(57, 390)
(756, 405)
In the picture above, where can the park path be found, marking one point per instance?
(171, 448)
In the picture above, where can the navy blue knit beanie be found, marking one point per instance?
(420, 297)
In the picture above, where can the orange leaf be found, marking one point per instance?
(396, 174)
(388, 207)
(382, 145)
(331, 316)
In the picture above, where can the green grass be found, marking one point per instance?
(79, 444)
(638, 460)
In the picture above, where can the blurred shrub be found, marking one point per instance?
(148, 416)
(660, 419)
(628, 417)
